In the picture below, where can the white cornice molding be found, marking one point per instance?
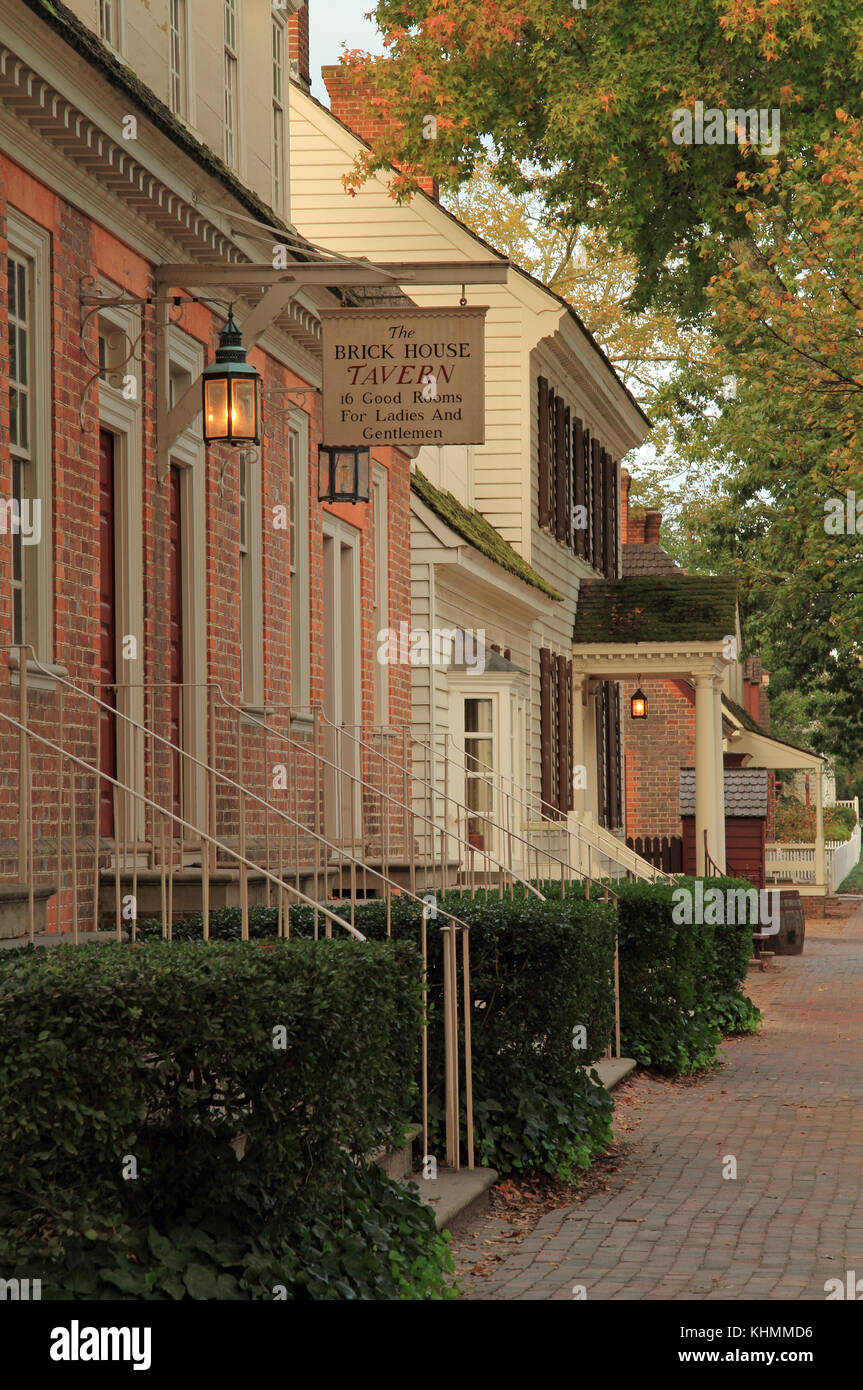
(666, 660)
(144, 192)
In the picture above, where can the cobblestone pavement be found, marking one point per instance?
(787, 1105)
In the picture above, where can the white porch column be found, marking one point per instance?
(820, 856)
(579, 782)
(705, 770)
(719, 853)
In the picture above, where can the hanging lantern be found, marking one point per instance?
(232, 392)
(638, 705)
(343, 474)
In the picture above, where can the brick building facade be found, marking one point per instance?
(205, 595)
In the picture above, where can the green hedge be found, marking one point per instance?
(538, 971)
(680, 982)
(126, 1074)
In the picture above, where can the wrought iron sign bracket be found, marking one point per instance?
(280, 287)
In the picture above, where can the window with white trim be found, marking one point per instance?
(278, 115)
(298, 501)
(109, 22)
(179, 39)
(26, 514)
(232, 63)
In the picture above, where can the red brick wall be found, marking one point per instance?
(656, 749)
(79, 248)
(298, 43)
(363, 113)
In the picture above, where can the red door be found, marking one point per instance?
(175, 599)
(107, 633)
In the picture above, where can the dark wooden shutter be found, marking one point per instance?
(601, 755)
(567, 482)
(615, 494)
(578, 490)
(613, 743)
(588, 495)
(544, 511)
(596, 499)
(610, 518)
(545, 726)
(559, 469)
(564, 734)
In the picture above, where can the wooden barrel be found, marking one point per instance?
(792, 926)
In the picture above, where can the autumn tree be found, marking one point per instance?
(579, 106)
(648, 349)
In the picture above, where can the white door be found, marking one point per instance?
(342, 819)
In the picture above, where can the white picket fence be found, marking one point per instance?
(795, 863)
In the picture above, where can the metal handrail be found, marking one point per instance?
(199, 834)
(378, 791)
(578, 832)
(230, 782)
(462, 807)
(450, 923)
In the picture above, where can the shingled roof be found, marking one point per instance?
(474, 528)
(647, 558)
(677, 608)
(745, 791)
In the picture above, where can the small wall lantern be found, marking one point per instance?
(638, 705)
(343, 474)
(232, 392)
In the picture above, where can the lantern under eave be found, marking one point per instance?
(232, 392)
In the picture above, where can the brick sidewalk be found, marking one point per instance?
(788, 1106)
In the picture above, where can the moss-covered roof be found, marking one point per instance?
(744, 717)
(91, 47)
(661, 608)
(480, 533)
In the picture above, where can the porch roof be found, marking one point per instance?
(659, 608)
(472, 526)
(764, 749)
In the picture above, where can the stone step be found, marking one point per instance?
(15, 909)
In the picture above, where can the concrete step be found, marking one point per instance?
(456, 1196)
(15, 909)
(398, 1163)
(613, 1070)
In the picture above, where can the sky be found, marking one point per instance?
(333, 23)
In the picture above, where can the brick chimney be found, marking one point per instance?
(298, 45)
(652, 523)
(625, 485)
(355, 110)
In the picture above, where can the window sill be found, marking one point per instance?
(37, 678)
(253, 712)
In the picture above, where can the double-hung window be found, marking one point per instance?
(278, 152)
(179, 39)
(26, 512)
(232, 98)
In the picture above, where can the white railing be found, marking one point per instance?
(843, 856)
(795, 862)
(790, 863)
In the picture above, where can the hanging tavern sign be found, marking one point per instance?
(404, 376)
